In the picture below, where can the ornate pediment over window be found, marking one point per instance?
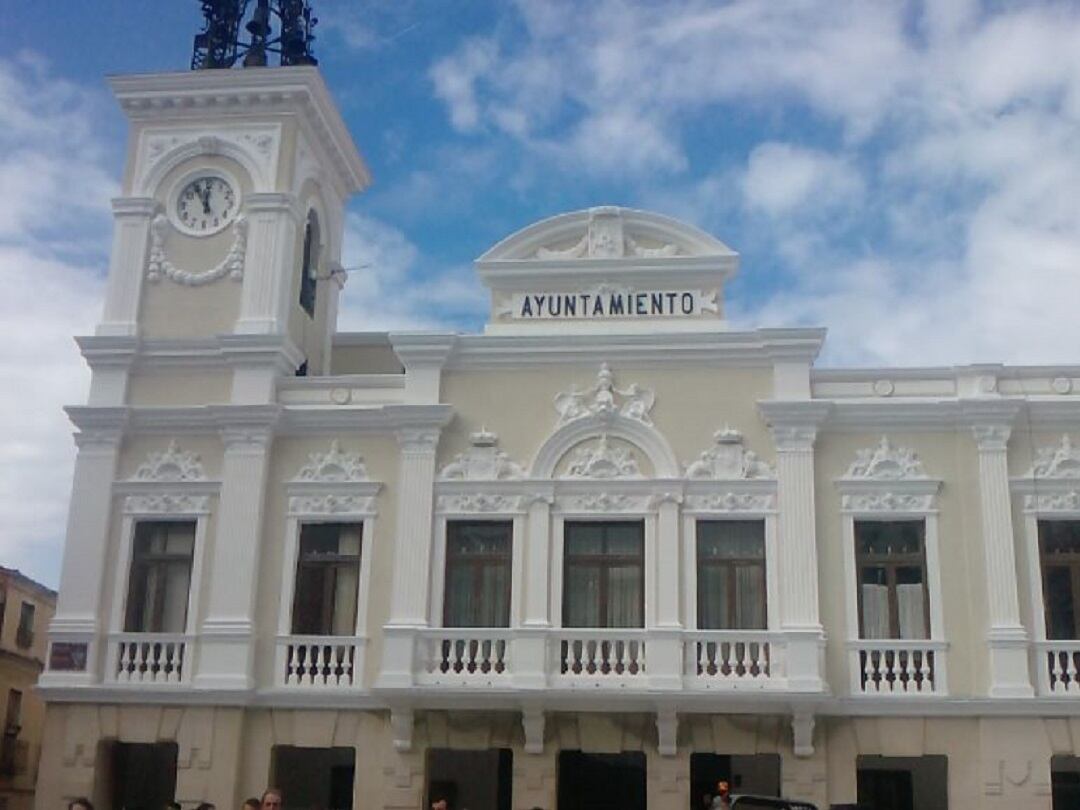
(483, 462)
(333, 466)
(728, 458)
(1052, 484)
(171, 464)
(333, 482)
(603, 398)
(602, 460)
(887, 479)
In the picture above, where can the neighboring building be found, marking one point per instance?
(604, 553)
(26, 608)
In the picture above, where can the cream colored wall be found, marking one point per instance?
(380, 455)
(170, 310)
(518, 405)
(176, 388)
(365, 360)
(952, 458)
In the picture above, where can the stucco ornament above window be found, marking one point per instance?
(601, 460)
(333, 466)
(171, 464)
(1058, 461)
(604, 399)
(483, 461)
(885, 462)
(728, 459)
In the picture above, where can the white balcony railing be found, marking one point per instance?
(464, 656)
(149, 659)
(601, 654)
(897, 667)
(328, 662)
(1058, 665)
(734, 658)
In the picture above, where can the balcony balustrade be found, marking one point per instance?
(319, 662)
(884, 667)
(734, 659)
(465, 657)
(1058, 665)
(601, 655)
(150, 659)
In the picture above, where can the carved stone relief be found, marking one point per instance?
(159, 266)
(728, 458)
(1059, 461)
(605, 238)
(601, 460)
(603, 398)
(333, 466)
(483, 462)
(885, 462)
(171, 464)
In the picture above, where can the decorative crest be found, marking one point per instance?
(483, 461)
(728, 458)
(172, 464)
(333, 466)
(1060, 461)
(604, 238)
(604, 399)
(886, 462)
(602, 461)
(219, 44)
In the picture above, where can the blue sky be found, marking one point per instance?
(906, 174)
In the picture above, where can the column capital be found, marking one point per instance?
(794, 425)
(246, 427)
(990, 420)
(99, 428)
(418, 439)
(992, 437)
(273, 202)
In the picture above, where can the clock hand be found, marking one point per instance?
(204, 195)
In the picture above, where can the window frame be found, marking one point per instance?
(310, 248)
(476, 563)
(150, 560)
(338, 561)
(731, 564)
(605, 562)
(891, 563)
(1033, 516)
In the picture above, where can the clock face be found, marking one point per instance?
(206, 205)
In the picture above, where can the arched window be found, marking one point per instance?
(309, 264)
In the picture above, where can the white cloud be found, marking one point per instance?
(54, 227)
(782, 179)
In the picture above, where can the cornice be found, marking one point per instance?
(298, 90)
(710, 349)
(430, 349)
(134, 206)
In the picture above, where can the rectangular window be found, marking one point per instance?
(731, 575)
(160, 577)
(604, 574)
(891, 561)
(327, 580)
(478, 555)
(24, 635)
(1059, 558)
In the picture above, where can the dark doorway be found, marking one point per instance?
(1065, 782)
(470, 780)
(314, 778)
(143, 775)
(903, 783)
(758, 774)
(601, 781)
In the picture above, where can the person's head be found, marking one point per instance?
(723, 789)
(271, 799)
(251, 804)
(440, 804)
(80, 803)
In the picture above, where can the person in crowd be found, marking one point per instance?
(251, 804)
(271, 799)
(440, 803)
(80, 803)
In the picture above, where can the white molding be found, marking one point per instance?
(599, 460)
(728, 458)
(887, 480)
(885, 462)
(333, 466)
(170, 465)
(159, 266)
(614, 425)
(603, 398)
(482, 462)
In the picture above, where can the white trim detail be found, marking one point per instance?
(602, 461)
(483, 462)
(1058, 461)
(170, 464)
(159, 266)
(727, 459)
(603, 398)
(333, 466)
(885, 462)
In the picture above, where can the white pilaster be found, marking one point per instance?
(79, 618)
(272, 229)
(127, 265)
(668, 556)
(1009, 672)
(794, 428)
(225, 658)
(412, 554)
(423, 354)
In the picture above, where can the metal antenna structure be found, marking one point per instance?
(223, 43)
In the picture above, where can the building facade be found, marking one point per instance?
(607, 551)
(26, 608)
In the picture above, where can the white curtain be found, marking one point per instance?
(346, 584)
(911, 605)
(875, 611)
(749, 598)
(624, 597)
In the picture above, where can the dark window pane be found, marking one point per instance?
(327, 579)
(731, 574)
(1059, 556)
(1060, 608)
(603, 574)
(891, 568)
(160, 577)
(478, 564)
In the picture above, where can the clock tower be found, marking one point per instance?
(228, 231)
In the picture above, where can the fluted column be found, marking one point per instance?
(795, 428)
(1009, 673)
(668, 554)
(227, 632)
(268, 265)
(530, 641)
(412, 554)
(127, 265)
(79, 617)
